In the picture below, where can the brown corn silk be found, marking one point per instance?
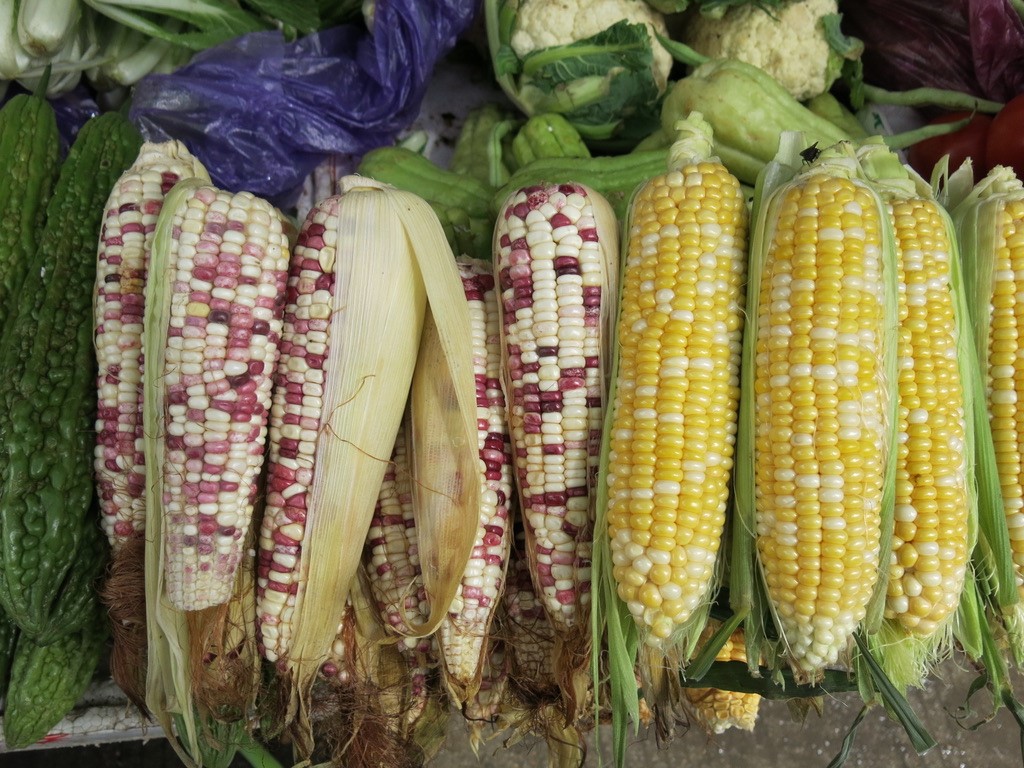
(122, 261)
(212, 321)
(374, 286)
(368, 709)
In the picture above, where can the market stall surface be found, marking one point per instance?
(778, 741)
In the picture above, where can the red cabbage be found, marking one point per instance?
(974, 46)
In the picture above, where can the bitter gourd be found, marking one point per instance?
(547, 135)
(8, 635)
(48, 399)
(29, 152)
(74, 605)
(47, 680)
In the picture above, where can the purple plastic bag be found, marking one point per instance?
(261, 113)
(974, 46)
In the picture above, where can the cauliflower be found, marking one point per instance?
(546, 23)
(791, 47)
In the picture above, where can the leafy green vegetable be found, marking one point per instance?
(214, 20)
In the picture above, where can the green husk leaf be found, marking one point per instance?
(894, 701)
(847, 746)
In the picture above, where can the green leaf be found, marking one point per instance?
(603, 84)
(894, 701)
(844, 750)
(213, 21)
(303, 15)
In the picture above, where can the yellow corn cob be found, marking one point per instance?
(1005, 373)
(677, 392)
(718, 710)
(929, 554)
(821, 410)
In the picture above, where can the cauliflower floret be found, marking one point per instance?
(546, 23)
(790, 47)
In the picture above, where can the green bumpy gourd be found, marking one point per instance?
(8, 637)
(549, 135)
(75, 603)
(47, 680)
(48, 401)
(29, 156)
(479, 150)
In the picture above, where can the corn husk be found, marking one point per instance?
(393, 268)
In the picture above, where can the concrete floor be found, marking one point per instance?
(778, 742)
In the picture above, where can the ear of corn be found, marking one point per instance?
(555, 266)
(718, 710)
(818, 424)
(367, 264)
(213, 320)
(989, 219)
(935, 512)
(123, 257)
(676, 391)
(463, 635)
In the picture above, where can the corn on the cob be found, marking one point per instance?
(484, 707)
(213, 318)
(463, 633)
(822, 411)
(930, 541)
(352, 347)
(718, 710)
(1003, 382)
(122, 263)
(677, 389)
(555, 265)
(393, 565)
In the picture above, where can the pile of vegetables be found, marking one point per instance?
(665, 394)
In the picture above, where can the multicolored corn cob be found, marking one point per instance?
(214, 301)
(555, 265)
(122, 263)
(464, 631)
(296, 422)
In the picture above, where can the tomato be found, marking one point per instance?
(969, 141)
(1006, 137)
